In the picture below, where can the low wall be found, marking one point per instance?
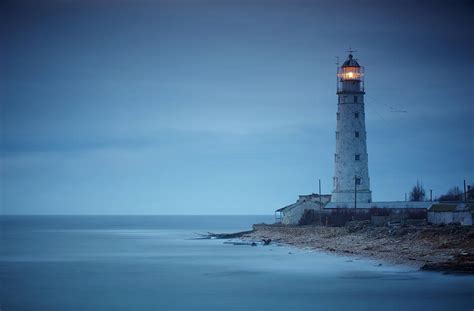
(462, 217)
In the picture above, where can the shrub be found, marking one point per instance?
(417, 214)
(309, 217)
(340, 216)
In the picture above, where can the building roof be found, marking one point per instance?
(350, 62)
(287, 207)
(314, 195)
(443, 208)
(387, 204)
(299, 203)
(453, 207)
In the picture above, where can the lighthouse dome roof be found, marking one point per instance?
(350, 62)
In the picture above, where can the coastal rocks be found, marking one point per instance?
(241, 243)
(235, 235)
(461, 263)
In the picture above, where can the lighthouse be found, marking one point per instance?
(351, 163)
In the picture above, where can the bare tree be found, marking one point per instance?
(470, 193)
(454, 194)
(418, 192)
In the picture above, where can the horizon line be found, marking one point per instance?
(136, 215)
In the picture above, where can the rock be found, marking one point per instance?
(459, 264)
(211, 235)
(354, 226)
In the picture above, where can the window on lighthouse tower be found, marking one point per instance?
(356, 134)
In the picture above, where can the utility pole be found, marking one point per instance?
(405, 196)
(355, 191)
(320, 205)
(465, 192)
(431, 195)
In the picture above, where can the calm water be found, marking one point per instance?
(150, 263)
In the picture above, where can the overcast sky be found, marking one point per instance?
(224, 107)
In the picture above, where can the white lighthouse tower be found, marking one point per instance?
(351, 169)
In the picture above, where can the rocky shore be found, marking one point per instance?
(447, 249)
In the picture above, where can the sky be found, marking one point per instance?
(224, 107)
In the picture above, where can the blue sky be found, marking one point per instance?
(224, 107)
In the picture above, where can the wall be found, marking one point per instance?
(292, 214)
(385, 204)
(464, 218)
(440, 217)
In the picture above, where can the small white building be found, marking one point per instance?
(448, 213)
(291, 214)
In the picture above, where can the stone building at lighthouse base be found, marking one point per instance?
(292, 214)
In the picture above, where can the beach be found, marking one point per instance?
(446, 248)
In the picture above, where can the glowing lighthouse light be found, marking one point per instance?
(350, 73)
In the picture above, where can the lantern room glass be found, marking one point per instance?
(350, 75)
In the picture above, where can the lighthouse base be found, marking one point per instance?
(363, 196)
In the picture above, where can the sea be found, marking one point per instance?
(69, 263)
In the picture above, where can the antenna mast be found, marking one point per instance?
(350, 51)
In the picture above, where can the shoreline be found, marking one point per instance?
(448, 249)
